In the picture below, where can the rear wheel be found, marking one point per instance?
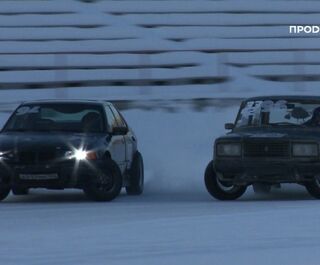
(106, 185)
(313, 187)
(4, 188)
(136, 176)
(219, 189)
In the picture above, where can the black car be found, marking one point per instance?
(69, 144)
(274, 140)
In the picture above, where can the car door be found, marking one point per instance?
(117, 146)
(129, 137)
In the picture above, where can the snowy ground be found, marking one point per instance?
(175, 221)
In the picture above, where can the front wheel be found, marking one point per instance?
(106, 184)
(20, 191)
(313, 187)
(221, 190)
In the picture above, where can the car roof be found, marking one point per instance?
(286, 97)
(66, 101)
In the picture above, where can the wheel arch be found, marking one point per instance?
(107, 155)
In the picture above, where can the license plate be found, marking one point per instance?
(38, 176)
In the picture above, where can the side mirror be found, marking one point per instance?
(229, 126)
(120, 130)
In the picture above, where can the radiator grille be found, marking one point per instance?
(35, 157)
(266, 149)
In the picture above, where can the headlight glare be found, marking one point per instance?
(6, 155)
(229, 149)
(305, 149)
(80, 154)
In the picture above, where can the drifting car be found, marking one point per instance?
(69, 144)
(274, 140)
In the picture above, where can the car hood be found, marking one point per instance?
(22, 140)
(273, 133)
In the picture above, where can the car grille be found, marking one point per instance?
(35, 157)
(266, 149)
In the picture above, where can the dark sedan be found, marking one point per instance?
(274, 140)
(69, 144)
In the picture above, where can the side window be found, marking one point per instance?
(110, 118)
(120, 121)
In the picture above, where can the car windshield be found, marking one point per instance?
(282, 112)
(65, 117)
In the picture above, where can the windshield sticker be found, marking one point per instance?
(279, 113)
(266, 106)
(24, 110)
(269, 105)
(251, 108)
(281, 104)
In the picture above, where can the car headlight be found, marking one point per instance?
(301, 149)
(80, 154)
(229, 149)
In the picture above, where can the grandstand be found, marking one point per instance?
(134, 49)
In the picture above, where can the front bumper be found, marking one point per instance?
(244, 171)
(70, 174)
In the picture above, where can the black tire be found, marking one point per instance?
(106, 185)
(4, 188)
(136, 174)
(313, 188)
(20, 191)
(214, 186)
